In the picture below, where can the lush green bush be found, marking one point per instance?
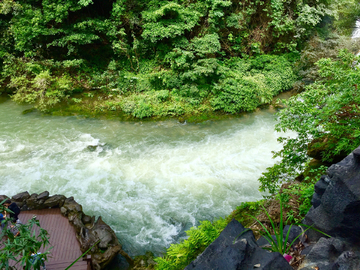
(178, 256)
(52, 51)
(19, 249)
(326, 114)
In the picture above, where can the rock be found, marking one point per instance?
(87, 219)
(333, 254)
(108, 242)
(3, 197)
(262, 241)
(327, 250)
(63, 211)
(295, 231)
(55, 201)
(267, 261)
(43, 196)
(75, 220)
(70, 205)
(92, 148)
(143, 262)
(100, 260)
(228, 251)
(86, 239)
(21, 197)
(32, 202)
(103, 232)
(336, 209)
(348, 260)
(236, 248)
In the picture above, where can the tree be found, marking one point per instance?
(20, 249)
(326, 117)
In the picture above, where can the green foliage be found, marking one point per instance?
(327, 112)
(253, 82)
(280, 243)
(169, 21)
(346, 13)
(51, 51)
(300, 194)
(20, 248)
(178, 256)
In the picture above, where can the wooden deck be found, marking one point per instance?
(66, 247)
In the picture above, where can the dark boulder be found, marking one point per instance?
(43, 196)
(55, 201)
(332, 254)
(20, 197)
(336, 209)
(237, 249)
(33, 203)
(70, 206)
(266, 260)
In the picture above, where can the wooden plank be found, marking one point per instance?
(66, 247)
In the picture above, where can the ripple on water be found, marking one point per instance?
(150, 181)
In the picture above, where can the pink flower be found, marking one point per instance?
(287, 257)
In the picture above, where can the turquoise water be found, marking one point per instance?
(150, 181)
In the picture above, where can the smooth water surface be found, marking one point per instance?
(150, 181)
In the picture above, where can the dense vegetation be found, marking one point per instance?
(146, 58)
(159, 58)
(325, 116)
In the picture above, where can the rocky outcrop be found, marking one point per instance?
(236, 249)
(89, 231)
(336, 212)
(336, 202)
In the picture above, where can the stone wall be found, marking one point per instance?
(89, 230)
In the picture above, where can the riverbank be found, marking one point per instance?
(79, 110)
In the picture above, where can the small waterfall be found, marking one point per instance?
(356, 32)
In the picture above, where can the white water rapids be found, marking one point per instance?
(150, 181)
(356, 32)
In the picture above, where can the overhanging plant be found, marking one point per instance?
(280, 244)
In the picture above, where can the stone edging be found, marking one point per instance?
(88, 230)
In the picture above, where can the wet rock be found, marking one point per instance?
(86, 239)
(336, 203)
(266, 260)
(70, 206)
(333, 254)
(295, 231)
(108, 242)
(43, 196)
(33, 203)
(87, 219)
(55, 201)
(348, 260)
(236, 248)
(75, 219)
(21, 197)
(100, 260)
(104, 233)
(3, 197)
(92, 148)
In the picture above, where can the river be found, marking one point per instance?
(149, 180)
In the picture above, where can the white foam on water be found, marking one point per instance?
(150, 181)
(356, 32)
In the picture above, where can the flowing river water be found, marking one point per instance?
(150, 181)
